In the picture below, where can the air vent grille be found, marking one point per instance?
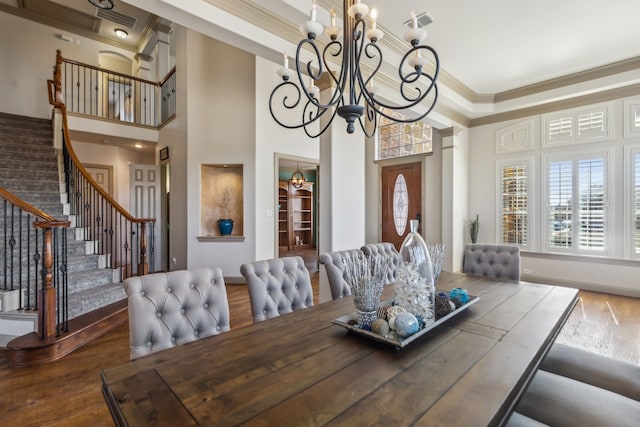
(423, 20)
(118, 18)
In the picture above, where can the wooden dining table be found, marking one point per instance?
(301, 369)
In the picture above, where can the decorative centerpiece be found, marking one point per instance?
(366, 276)
(436, 252)
(415, 287)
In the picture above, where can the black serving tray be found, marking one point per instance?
(393, 338)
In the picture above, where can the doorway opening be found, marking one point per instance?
(297, 210)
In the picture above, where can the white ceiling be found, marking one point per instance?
(496, 45)
(489, 46)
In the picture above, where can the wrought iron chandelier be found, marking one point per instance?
(360, 60)
(297, 177)
(102, 4)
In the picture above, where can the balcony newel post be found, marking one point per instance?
(47, 300)
(57, 77)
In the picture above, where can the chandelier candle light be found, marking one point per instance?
(360, 60)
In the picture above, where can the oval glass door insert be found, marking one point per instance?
(400, 204)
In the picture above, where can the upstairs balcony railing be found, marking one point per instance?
(97, 92)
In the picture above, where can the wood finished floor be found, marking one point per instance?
(68, 393)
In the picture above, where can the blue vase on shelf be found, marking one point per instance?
(225, 226)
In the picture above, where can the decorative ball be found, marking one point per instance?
(380, 327)
(392, 312)
(459, 296)
(444, 305)
(406, 324)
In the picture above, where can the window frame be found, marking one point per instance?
(631, 151)
(573, 115)
(575, 156)
(529, 163)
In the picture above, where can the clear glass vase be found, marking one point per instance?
(415, 288)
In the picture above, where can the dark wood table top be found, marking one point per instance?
(300, 369)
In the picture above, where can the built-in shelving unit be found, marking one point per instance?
(295, 216)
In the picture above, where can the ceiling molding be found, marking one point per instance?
(63, 26)
(579, 101)
(570, 79)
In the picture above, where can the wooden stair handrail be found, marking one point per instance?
(44, 218)
(55, 100)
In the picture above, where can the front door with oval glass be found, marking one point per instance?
(401, 200)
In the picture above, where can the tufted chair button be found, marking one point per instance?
(193, 285)
(158, 314)
(173, 340)
(217, 328)
(264, 311)
(206, 305)
(169, 290)
(149, 344)
(143, 293)
(182, 311)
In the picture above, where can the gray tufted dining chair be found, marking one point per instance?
(277, 286)
(336, 274)
(169, 309)
(387, 250)
(495, 261)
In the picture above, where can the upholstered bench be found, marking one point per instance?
(576, 387)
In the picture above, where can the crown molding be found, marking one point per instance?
(579, 101)
(570, 79)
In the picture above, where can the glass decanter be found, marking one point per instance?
(415, 289)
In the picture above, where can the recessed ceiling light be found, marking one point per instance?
(121, 33)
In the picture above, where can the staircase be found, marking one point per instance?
(29, 169)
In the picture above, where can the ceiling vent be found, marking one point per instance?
(118, 18)
(423, 20)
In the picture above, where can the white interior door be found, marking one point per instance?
(145, 202)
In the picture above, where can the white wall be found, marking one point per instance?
(613, 274)
(117, 157)
(221, 128)
(27, 57)
(272, 139)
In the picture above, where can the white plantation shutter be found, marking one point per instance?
(591, 124)
(514, 204)
(591, 203)
(577, 126)
(560, 204)
(560, 129)
(635, 214)
(577, 204)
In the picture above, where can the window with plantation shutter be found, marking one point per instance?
(577, 126)
(560, 129)
(591, 124)
(576, 204)
(560, 204)
(591, 203)
(635, 195)
(514, 222)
